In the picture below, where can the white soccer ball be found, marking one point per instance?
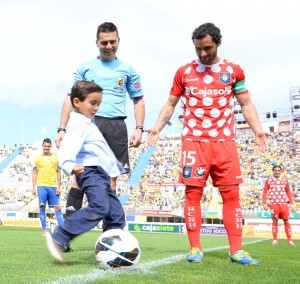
(117, 248)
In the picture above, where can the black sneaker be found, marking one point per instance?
(67, 248)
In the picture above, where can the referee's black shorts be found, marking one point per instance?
(115, 133)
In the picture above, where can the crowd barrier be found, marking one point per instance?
(261, 228)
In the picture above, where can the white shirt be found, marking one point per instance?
(85, 145)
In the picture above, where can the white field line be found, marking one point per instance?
(144, 268)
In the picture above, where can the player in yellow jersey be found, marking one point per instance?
(46, 179)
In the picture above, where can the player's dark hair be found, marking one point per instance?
(277, 166)
(47, 140)
(81, 89)
(107, 27)
(207, 29)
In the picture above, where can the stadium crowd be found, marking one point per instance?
(158, 187)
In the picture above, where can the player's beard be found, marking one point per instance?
(209, 60)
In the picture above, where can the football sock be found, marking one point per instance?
(192, 214)
(74, 201)
(43, 219)
(274, 230)
(232, 216)
(59, 217)
(288, 231)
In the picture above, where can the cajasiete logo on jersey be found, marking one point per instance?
(200, 171)
(187, 172)
(120, 82)
(225, 77)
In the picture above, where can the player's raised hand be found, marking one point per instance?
(262, 140)
(153, 135)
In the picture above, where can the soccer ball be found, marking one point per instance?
(117, 248)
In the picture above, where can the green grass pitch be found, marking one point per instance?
(24, 259)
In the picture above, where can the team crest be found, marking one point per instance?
(200, 172)
(225, 77)
(187, 172)
(120, 82)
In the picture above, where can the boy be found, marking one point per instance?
(85, 153)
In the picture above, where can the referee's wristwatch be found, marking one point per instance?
(61, 129)
(140, 127)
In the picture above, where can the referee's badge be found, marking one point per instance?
(187, 172)
(120, 82)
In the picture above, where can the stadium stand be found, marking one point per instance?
(153, 182)
(140, 166)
